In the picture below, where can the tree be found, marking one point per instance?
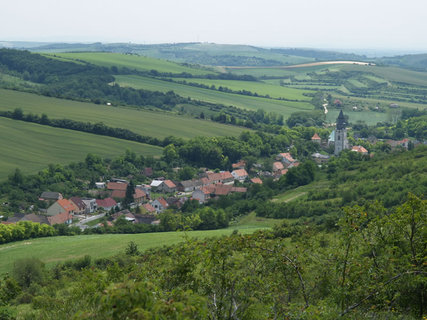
(28, 270)
(130, 191)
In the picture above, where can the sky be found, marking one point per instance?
(334, 24)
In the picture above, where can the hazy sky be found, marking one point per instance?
(390, 24)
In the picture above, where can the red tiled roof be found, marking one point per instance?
(59, 218)
(118, 194)
(148, 207)
(359, 149)
(67, 205)
(278, 166)
(139, 194)
(163, 202)
(106, 203)
(78, 202)
(256, 180)
(284, 171)
(287, 156)
(169, 184)
(240, 164)
(315, 137)
(116, 186)
(241, 173)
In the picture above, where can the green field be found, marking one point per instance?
(284, 108)
(261, 88)
(156, 124)
(369, 117)
(31, 147)
(58, 249)
(133, 62)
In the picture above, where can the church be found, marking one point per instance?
(341, 142)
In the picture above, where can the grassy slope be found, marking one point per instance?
(32, 147)
(56, 249)
(253, 103)
(140, 63)
(156, 124)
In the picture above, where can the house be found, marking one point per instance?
(294, 164)
(359, 149)
(117, 186)
(320, 158)
(148, 208)
(144, 187)
(393, 105)
(48, 196)
(316, 139)
(100, 185)
(224, 177)
(286, 158)
(402, 143)
(107, 204)
(256, 180)
(160, 204)
(61, 218)
(278, 166)
(138, 197)
(78, 202)
(240, 175)
(280, 173)
(202, 195)
(239, 165)
(156, 185)
(168, 186)
(37, 218)
(189, 185)
(145, 218)
(60, 206)
(91, 205)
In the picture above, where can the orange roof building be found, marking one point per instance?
(316, 138)
(359, 149)
(60, 206)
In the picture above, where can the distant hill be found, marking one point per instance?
(411, 61)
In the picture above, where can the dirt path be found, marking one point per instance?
(291, 198)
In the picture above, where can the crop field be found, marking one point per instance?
(369, 117)
(31, 147)
(284, 108)
(261, 88)
(139, 63)
(151, 123)
(59, 249)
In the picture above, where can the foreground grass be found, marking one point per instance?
(57, 249)
(155, 124)
(31, 147)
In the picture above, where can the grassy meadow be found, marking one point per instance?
(31, 147)
(151, 123)
(58, 249)
(284, 108)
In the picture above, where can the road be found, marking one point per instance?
(91, 218)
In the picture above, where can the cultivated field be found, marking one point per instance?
(133, 62)
(259, 87)
(151, 123)
(31, 147)
(284, 108)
